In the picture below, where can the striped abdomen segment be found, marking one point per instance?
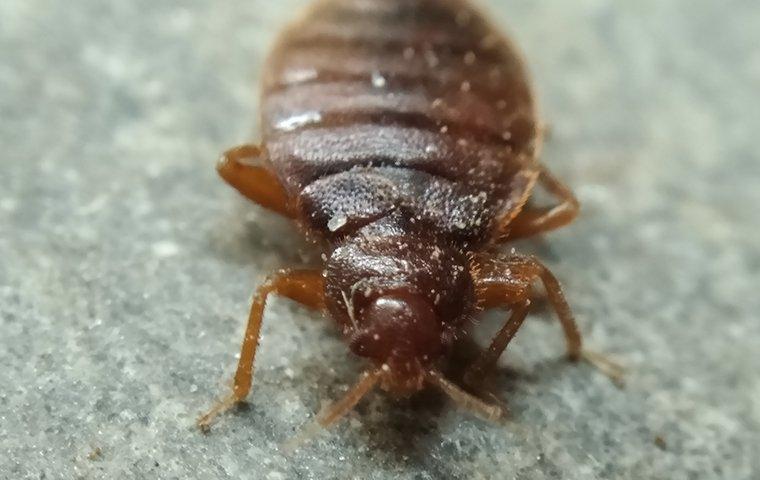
(424, 85)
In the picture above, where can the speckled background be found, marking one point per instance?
(126, 266)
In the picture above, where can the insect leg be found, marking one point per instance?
(486, 361)
(534, 221)
(464, 399)
(575, 350)
(303, 286)
(335, 411)
(507, 282)
(244, 168)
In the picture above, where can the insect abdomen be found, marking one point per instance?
(393, 85)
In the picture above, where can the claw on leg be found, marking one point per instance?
(464, 399)
(507, 282)
(205, 421)
(303, 286)
(612, 369)
(334, 412)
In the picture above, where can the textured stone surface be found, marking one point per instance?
(126, 265)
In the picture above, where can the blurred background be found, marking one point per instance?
(126, 266)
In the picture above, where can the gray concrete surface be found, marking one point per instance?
(126, 265)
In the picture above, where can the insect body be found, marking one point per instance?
(403, 135)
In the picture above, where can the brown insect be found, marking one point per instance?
(403, 136)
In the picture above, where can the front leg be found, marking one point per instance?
(508, 281)
(305, 287)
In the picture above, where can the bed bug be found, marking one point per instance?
(403, 137)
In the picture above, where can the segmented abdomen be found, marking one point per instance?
(421, 95)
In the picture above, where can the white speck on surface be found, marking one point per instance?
(431, 58)
(299, 75)
(297, 121)
(8, 204)
(378, 81)
(336, 222)
(165, 249)
(489, 41)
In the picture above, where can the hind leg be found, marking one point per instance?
(244, 167)
(533, 220)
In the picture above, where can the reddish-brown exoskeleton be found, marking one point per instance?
(404, 135)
